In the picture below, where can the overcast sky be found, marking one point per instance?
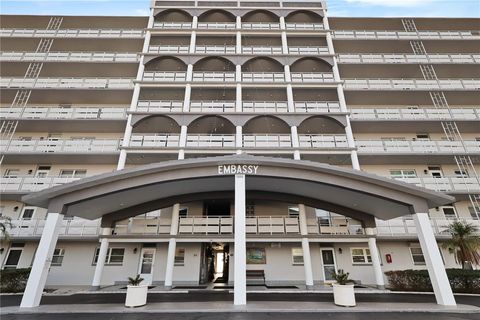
(359, 8)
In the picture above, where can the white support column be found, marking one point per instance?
(102, 254)
(307, 260)
(376, 263)
(282, 23)
(238, 139)
(186, 99)
(284, 43)
(238, 99)
(238, 73)
(238, 23)
(193, 41)
(431, 253)
(41, 264)
(288, 76)
(182, 142)
(295, 142)
(189, 76)
(195, 22)
(172, 246)
(290, 102)
(238, 46)
(240, 278)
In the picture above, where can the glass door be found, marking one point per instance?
(147, 259)
(329, 266)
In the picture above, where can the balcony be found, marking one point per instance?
(69, 57)
(60, 146)
(415, 114)
(67, 83)
(210, 141)
(419, 146)
(69, 228)
(212, 106)
(169, 49)
(73, 33)
(267, 141)
(30, 183)
(155, 141)
(260, 26)
(323, 141)
(159, 106)
(217, 25)
(406, 227)
(172, 25)
(445, 184)
(317, 106)
(56, 112)
(304, 26)
(408, 58)
(245, 26)
(265, 106)
(312, 77)
(411, 84)
(396, 35)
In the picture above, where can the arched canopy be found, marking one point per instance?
(156, 124)
(217, 15)
(310, 64)
(173, 15)
(303, 16)
(214, 64)
(260, 16)
(320, 125)
(262, 64)
(266, 124)
(211, 125)
(165, 63)
(120, 194)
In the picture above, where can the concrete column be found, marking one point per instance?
(295, 142)
(175, 217)
(238, 73)
(302, 219)
(282, 23)
(307, 260)
(351, 144)
(172, 246)
(195, 22)
(238, 98)
(102, 254)
(376, 263)
(189, 76)
(41, 264)
(288, 77)
(186, 99)
(239, 139)
(182, 142)
(240, 260)
(284, 43)
(239, 42)
(431, 253)
(290, 102)
(193, 42)
(127, 135)
(239, 23)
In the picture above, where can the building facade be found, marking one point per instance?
(243, 86)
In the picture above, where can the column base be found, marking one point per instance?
(168, 287)
(381, 287)
(94, 288)
(309, 286)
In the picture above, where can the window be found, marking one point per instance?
(183, 212)
(323, 217)
(114, 256)
(250, 209)
(423, 136)
(474, 212)
(461, 173)
(449, 212)
(73, 173)
(27, 213)
(435, 172)
(293, 212)
(12, 173)
(179, 257)
(417, 256)
(361, 256)
(57, 258)
(297, 256)
(403, 173)
(13, 256)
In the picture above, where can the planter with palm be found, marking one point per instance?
(136, 292)
(464, 244)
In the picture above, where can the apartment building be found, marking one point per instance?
(226, 144)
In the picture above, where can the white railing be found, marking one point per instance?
(261, 50)
(210, 140)
(60, 145)
(408, 58)
(312, 77)
(141, 225)
(31, 183)
(304, 26)
(416, 113)
(159, 106)
(265, 106)
(212, 106)
(217, 25)
(168, 49)
(444, 184)
(334, 226)
(419, 146)
(42, 112)
(172, 25)
(323, 141)
(307, 50)
(272, 225)
(69, 56)
(168, 76)
(73, 33)
(263, 77)
(447, 35)
(157, 140)
(412, 84)
(74, 83)
(406, 227)
(205, 225)
(69, 228)
(260, 26)
(214, 76)
(317, 106)
(267, 141)
(215, 49)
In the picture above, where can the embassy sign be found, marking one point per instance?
(237, 169)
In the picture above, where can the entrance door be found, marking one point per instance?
(146, 264)
(329, 267)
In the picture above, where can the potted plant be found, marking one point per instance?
(136, 292)
(343, 292)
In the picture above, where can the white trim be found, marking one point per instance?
(323, 264)
(365, 255)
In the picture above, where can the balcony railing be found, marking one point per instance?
(261, 50)
(317, 106)
(415, 114)
(419, 146)
(216, 49)
(67, 83)
(308, 50)
(304, 26)
(32, 183)
(272, 225)
(445, 35)
(308, 77)
(211, 140)
(172, 25)
(445, 184)
(245, 26)
(408, 58)
(214, 77)
(168, 49)
(265, 106)
(267, 141)
(69, 228)
(212, 106)
(165, 76)
(205, 225)
(334, 226)
(260, 26)
(69, 56)
(60, 145)
(412, 84)
(322, 141)
(159, 106)
(217, 25)
(42, 112)
(263, 77)
(406, 227)
(165, 140)
(73, 33)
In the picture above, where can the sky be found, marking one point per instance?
(350, 8)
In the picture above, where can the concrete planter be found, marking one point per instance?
(136, 296)
(344, 295)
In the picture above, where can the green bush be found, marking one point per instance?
(461, 281)
(13, 280)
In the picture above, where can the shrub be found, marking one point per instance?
(461, 281)
(14, 280)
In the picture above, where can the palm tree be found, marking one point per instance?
(464, 244)
(5, 224)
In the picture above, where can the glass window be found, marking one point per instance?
(293, 211)
(250, 209)
(13, 258)
(183, 212)
(27, 213)
(361, 256)
(461, 173)
(73, 173)
(474, 212)
(449, 212)
(403, 173)
(12, 173)
(114, 256)
(179, 257)
(297, 256)
(417, 256)
(57, 258)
